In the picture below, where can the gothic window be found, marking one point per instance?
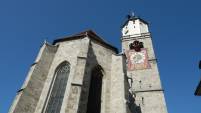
(58, 88)
(94, 98)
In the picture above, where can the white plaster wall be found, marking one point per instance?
(143, 27)
(134, 27)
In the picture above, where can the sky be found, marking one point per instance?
(174, 24)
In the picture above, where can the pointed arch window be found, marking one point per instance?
(94, 98)
(58, 88)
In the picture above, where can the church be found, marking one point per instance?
(83, 73)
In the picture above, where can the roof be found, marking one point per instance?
(198, 90)
(88, 33)
(134, 18)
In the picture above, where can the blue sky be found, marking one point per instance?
(174, 24)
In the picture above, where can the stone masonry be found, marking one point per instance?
(122, 91)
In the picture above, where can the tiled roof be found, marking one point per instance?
(91, 34)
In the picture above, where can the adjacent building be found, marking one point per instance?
(198, 89)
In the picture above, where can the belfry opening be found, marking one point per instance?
(94, 98)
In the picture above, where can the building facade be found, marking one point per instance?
(198, 89)
(84, 74)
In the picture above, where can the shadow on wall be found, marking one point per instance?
(90, 99)
(132, 105)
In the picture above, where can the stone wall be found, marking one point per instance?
(67, 51)
(28, 97)
(83, 55)
(118, 88)
(149, 97)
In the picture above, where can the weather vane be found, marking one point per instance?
(131, 15)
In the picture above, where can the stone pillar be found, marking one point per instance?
(77, 82)
(118, 101)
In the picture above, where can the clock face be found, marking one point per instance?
(137, 60)
(137, 57)
(126, 31)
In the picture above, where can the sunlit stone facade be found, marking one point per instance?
(84, 74)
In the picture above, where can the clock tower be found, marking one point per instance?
(142, 71)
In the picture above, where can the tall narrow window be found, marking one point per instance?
(94, 98)
(58, 88)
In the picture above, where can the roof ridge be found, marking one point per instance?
(88, 33)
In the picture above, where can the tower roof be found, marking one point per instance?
(91, 34)
(133, 18)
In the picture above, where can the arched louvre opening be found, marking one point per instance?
(94, 98)
(58, 88)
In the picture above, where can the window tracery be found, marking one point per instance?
(58, 88)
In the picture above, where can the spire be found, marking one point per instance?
(131, 15)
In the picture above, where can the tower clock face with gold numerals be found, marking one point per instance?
(137, 60)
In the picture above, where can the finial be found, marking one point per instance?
(45, 41)
(132, 14)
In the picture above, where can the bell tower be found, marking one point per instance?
(142, 71)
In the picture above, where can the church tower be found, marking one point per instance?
(142, 70)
